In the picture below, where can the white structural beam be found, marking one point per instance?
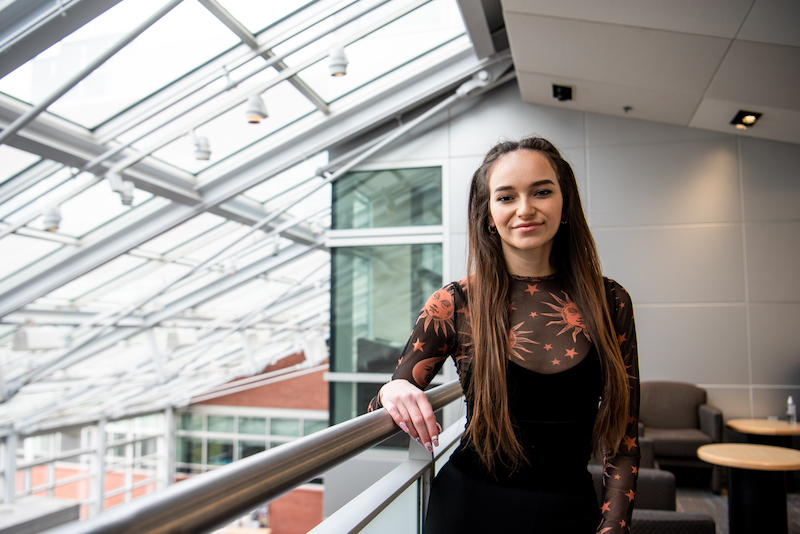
(472, 12)
(284, 154)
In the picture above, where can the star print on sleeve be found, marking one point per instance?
(433, 338)
(619, 485)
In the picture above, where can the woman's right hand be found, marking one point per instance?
(411, 411)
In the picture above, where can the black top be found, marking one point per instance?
(554, 384)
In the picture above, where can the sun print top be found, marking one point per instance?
(554, 385)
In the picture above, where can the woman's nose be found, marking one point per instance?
(526, 207)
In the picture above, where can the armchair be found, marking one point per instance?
(675, 416)
(655, 505)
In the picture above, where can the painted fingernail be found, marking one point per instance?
(439, 427)
(403, 427)
(419, 441)
(436, 441)
(428, 447)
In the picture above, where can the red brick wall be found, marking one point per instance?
(79, 489)
(296, 512)
(300, 510)
(308, 391)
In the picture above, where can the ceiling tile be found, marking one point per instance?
(757, 72)
(773, 21)
(776, 123)
(660, 60)
(721, 18)
(609, 98)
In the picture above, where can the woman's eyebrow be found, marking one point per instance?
(534, 184)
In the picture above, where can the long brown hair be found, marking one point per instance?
(574, 255)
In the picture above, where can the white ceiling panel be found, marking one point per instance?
(776, 123)
(610, 99)
(773, 21)
(661, 60)
(765, 74)
(694, 63)
(721, 18)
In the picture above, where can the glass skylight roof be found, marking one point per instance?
(171, 259)
(14, 161)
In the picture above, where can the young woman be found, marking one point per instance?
(545, 348)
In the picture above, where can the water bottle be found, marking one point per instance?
(791, 411)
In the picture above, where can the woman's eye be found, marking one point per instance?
(543, 192)
(505, 198)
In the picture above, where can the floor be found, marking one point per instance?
(695, 496)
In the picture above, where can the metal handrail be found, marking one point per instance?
(209, 501)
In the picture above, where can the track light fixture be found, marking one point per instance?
(51, 218)
(745, 119)
(202, 150)
(256, 110)
(338, 62)
(125, 188)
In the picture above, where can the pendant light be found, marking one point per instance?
(338, 62)
(256, 110)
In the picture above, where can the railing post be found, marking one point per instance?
(167, 450)
(10, 469)
(418, 452)
(99, 478)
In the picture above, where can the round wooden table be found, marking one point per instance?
(756, 483)
(776, 432)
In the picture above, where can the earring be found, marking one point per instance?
(564, 220)
(492, 229)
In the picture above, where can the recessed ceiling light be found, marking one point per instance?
(744, 119)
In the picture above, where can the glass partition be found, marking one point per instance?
(388, 198)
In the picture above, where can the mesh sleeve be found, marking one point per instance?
(432, 340)
(620, 471)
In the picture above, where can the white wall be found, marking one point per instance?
(702, 228)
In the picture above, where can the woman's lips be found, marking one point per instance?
(528, 227)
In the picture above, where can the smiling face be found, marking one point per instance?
(525, 206)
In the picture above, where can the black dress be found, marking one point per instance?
(554, 387)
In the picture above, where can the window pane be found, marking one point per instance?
(190, 450)
(252, 425)
(14, 161)
(377, 295)
(37, 78)
(388, 48)
(190, 421)
(220, 423)
(249, 448)
(309, 427)
(94, 207)
(18, 251)
(388, 198)
(284, 427)
(220, 451)
(140, 68)
(255, 16)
